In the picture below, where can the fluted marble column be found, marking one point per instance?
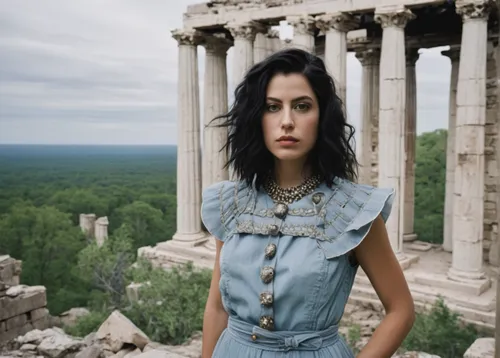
(468, 205)
(370, 61)
(454, 55)
(243, 58)
(260, 47)
(410, 141)
(393, 20)
(215, 103)
(273, 41)
(188, 147)
(335, 26)
(244, 36)
(303, 32)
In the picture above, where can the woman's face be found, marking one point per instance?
(291, 117)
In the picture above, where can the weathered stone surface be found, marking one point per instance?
(59, 345)
(481, 348)
(70, 317)
(22, 308)
(118, 330)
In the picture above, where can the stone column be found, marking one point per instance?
(101, 230)
(188, 148)
(410, 141)
(215, 103)
(273, 41)
(370, 60)
(303, 32)
(468, 205)
(87, 224)
(393, 20)
(491, 143)
(454, 55)
(244, 36)
(260, 47)
(335, 27)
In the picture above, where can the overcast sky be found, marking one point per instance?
(105, 72)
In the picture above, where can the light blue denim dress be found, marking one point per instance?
(286, 272)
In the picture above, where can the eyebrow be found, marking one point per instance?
(301, 98)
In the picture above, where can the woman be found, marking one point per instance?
(293, 230)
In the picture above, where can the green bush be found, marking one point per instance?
(440, 332)
(171, 305)
(87, 324)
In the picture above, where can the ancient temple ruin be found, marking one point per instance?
(385, 36)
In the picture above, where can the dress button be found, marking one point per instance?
(266, 322)
(280, 210)
(267, 274)
(274, 230)
(316, 198)
(266, 299)
(254, 337)
(270, 251)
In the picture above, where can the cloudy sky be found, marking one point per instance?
(105, 72)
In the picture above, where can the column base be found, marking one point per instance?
(406, 260)
(174, 252)
(409, 237)
(210, 243)
(456, 281)
(191, 240)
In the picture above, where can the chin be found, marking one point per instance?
(289, 155)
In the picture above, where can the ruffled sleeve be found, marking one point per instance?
(364, 205)
(219, 208)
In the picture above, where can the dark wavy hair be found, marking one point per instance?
(332, 156)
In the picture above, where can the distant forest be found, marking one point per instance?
(44, 189)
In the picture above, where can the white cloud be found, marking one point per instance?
(98, 71)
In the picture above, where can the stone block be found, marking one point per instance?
(481, 348)
(25, 302)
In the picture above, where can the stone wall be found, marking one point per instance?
(22, 308)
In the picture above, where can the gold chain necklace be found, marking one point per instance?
(289, 195)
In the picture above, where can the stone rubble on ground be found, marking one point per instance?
(117, 337)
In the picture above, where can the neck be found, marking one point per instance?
(289, 174)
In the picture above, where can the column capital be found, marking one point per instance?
(453, 54)
(189, 37)
(368, 57)
(216, 43)
(473, 9)
(245, 30)
(411, 56)
(272, 34)
(302, 24)
(393, 16)
(339, 21)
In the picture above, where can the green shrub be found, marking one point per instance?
(87, 324)
(171, 305)
(440, 332)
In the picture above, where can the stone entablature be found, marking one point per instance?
(202, 15)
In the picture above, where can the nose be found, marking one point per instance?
(287, 120)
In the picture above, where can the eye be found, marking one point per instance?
(272, 107)
(302, 107)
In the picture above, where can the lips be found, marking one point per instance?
(287, 139)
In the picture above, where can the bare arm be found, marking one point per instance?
(215, 317)
(377, 259)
